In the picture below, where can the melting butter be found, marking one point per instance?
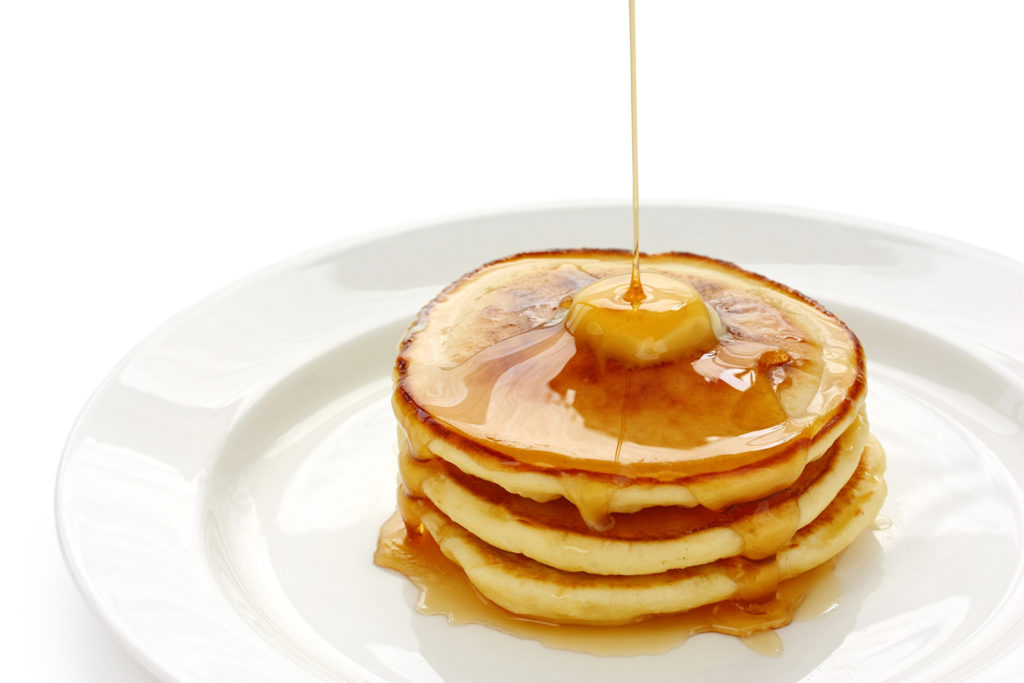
(671, 321)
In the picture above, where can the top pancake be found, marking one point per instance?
(488, 369)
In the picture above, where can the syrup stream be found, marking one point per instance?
(635, 294)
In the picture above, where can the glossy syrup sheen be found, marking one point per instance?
(445, 590)
(562, 396)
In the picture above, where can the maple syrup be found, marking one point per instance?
(445, 590)
(579, 407)
(633, 372)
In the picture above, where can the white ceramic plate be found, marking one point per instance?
(219, 499)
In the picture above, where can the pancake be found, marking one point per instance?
(535, 590)
(589, 458)
(453, 402)
(652, 540)
(609, 494)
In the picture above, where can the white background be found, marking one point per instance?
(153, 152)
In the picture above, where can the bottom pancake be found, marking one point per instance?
(529, 588)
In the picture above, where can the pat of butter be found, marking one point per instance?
(672, 321)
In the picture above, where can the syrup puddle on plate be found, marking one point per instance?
(445, 590)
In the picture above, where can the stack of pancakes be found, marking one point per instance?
(575, 488)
